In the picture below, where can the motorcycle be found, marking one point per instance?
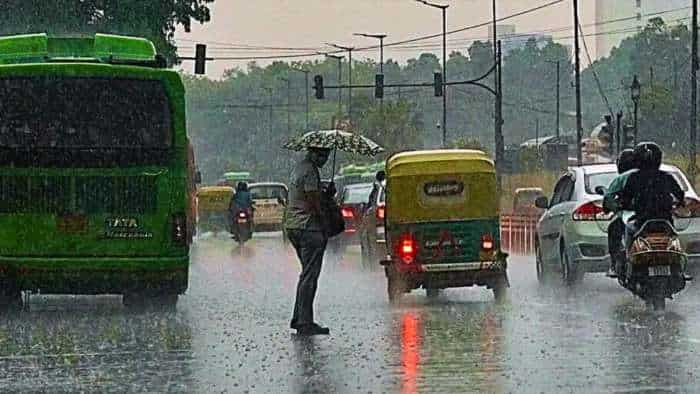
(654, 266)
(242, 226)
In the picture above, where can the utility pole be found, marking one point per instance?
(289, 105)
(694, 97)
(500, 143)
(557, 117)
(443, 8)
(577, 66)
(339, 59)
(306, 103)
(349, 49)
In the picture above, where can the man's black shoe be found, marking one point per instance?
(312, 329)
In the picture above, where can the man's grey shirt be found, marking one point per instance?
(305, 179)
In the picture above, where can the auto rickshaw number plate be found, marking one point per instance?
(660, 270)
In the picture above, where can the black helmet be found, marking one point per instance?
(626, 161)
(648, 156)
(242, 187)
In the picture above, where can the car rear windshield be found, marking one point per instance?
(268, 192)
(605, 179)
(356, 195)
(83, 113)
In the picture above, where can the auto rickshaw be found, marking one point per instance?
(270, 199)
(442, 223)
(213, 208)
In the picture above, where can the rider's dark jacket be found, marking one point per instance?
(650, 194)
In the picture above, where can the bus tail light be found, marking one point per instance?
(407, 248)
(179, 228)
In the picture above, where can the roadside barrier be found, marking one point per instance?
(518, 234)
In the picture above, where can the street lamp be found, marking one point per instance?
(339, 59)
(636, 93)
(381, 38)
(349, 49)
(443, 8)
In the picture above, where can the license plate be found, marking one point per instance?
(242, 220)
(71, 224)
(660, 270)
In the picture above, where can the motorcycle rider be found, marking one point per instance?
(649, 192)
(626, 165)
(241, 201)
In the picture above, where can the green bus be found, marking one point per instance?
(96, 170)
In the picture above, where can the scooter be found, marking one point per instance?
(242, 227)
(655, 262)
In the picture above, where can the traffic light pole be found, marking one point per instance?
(577, 72)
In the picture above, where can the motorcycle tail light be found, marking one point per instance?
(242, 214)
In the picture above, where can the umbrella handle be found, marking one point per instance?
(333, 171)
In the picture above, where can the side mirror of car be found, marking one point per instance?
(198, 177)
(542, 202)
(601, 190)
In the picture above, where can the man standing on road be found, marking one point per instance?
(304, 228)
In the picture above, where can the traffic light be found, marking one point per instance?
(628, 138)
(438, 84)
(200, 59)
(318, 87)
(379, 86)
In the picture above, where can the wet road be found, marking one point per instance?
(229, 334)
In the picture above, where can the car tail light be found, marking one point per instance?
(407, 248)
(591, 211)
(347, 213)
(381, 211)
(179, 228)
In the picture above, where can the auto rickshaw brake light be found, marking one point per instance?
(487, 243)
(407, 249)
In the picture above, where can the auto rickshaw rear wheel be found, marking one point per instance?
(395, 286)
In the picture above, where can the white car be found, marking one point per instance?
(570, 237)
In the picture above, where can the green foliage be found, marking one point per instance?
(155, 20)
(468, 143)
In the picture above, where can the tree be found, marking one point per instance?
(155, 20)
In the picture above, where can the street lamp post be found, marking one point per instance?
(636, 94)
(340, 79)
(443, 8)
(349, 49)
(306, 103)
(381, 38)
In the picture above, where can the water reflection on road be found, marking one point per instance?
(230, 333)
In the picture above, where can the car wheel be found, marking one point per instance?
(570, 274)
(542, 274)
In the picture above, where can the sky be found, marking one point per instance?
(311, 23)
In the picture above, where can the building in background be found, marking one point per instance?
(609, 32)
(511, 40)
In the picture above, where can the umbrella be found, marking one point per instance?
(336, 140)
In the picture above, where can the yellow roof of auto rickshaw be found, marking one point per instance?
(442, 161)
(215, 189)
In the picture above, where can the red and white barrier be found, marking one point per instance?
(518, 234)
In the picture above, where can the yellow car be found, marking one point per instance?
(269, 200)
